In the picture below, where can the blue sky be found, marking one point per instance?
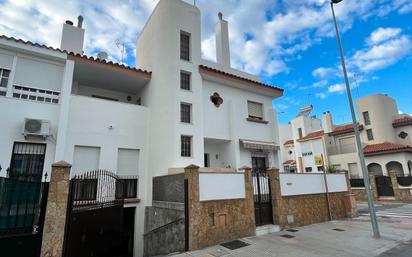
(288, 43)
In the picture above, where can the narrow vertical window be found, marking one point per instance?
(300, 133)
(366, 118)
(185, 78)
(185, 112)
(186, 146)
(369, 134)
(4, 79)
(184, 46)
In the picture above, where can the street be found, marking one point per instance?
(336, 238)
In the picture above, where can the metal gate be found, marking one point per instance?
(95, 215)
(262, 199)
(22, 211)
(384, 186)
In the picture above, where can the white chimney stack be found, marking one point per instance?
(327, 122)
(73, 37)
(222, 42)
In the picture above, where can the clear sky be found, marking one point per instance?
(288, 43)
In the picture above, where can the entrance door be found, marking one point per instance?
(261, 192)
(27, 161)
(384, 186)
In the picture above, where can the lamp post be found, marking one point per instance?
(372, 212)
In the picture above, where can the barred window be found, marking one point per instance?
(186, 146)
(185, 80)
(366, 118)
(185, 111)
(255, 110)
(184, 46)
(4, 79)
(369, 134)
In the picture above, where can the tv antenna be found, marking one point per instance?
(122, 48)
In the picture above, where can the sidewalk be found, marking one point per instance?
(321, 240)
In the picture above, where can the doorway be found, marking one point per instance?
(261, 192)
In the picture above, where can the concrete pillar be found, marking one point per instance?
(395, 185)
(56, 210)
(276, 195)
(192, 176)
(249, 188)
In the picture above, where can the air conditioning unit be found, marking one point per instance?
(36, 127)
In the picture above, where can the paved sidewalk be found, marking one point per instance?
(320, 240)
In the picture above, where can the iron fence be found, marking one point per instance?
(357, 182)
(404, 181)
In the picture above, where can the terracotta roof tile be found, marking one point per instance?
(344, 129)
(385, 147)
(73, 54)
(403, 121)
(312, 135)
(236, 77)
(289, 142)
(289, 162)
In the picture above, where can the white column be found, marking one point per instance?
(9, 92)
(64, 110)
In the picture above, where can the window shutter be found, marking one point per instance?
(255, 110)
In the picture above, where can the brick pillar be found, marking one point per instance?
(395, 185)
(374, 190)
(350, 201)
(276, 196)
(192, 176)
(55, 220)
(249, 189)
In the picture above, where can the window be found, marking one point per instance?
(186, 146)
(366, 118)
(300, 133)
(4, 79)
(255, 110)
(321, 168)
(185, 80)
(185, 112)
(207, 160)
(35, 94)
(369, 134)
(308, 169)
(184, 46)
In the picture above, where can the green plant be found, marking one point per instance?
(331, 169)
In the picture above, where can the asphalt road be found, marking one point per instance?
(402, 250)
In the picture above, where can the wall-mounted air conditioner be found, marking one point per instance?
(36, 127)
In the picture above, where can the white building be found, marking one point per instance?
(172, 110)
(385, 136)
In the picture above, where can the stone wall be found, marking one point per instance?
(299, 210)
(169, 188)
(213, 222)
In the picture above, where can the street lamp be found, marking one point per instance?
(374, 222)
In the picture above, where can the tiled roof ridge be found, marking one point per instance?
(240, 78)
(385, 146)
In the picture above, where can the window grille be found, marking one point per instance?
(185, 110)
(186, 146)
(36, 94)
(366, 118)
(4, 79)
(185, 80)
(369, 133)
(185, 46)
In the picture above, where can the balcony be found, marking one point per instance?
(341, 149)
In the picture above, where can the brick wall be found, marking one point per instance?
(213, 222)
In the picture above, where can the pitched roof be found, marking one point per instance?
(289, 162)
(403, 121)
(289, 142)
(73, 54)
(385, 147)
(344, 129)
(238, 78)
(312, 135)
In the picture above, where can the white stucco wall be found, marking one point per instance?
(221, 186)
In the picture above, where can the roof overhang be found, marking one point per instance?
(232, 80)
(390, 151)
(259, 145)
(108, 75)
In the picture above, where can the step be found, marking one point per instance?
(267, 229)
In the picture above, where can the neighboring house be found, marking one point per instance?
(385, 137)
(174, 109)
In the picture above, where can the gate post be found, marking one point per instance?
(55, 220)
(395, 185)
(249, 188)
(374, 190)
(276, 195)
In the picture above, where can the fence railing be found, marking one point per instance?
(405, 181)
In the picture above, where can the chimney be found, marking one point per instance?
(73, 37)
(327, 122)
(222, 42)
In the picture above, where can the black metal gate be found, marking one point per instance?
(22, 211)
(95, 215)
(384, 186)
(261, 192)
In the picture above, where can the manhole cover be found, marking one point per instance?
(287, 236)
(292, 230)
(338, 229)
(235, 244)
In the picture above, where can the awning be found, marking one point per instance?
(259, 145)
